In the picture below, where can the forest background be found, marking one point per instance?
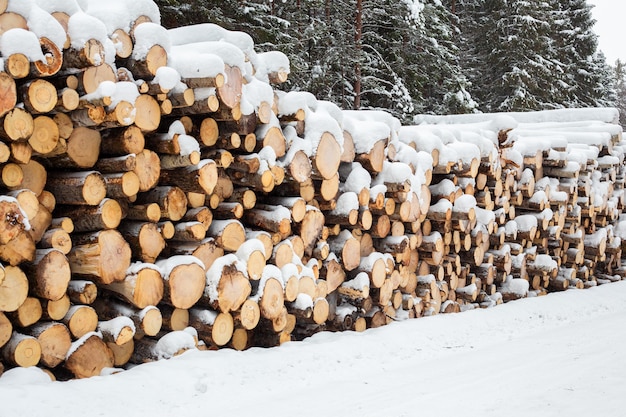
(428, 56)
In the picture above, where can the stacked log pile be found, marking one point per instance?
(160, 193)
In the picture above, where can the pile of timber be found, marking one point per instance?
(160, 194)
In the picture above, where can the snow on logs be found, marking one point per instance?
(160, 193)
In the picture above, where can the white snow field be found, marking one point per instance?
(558, 355)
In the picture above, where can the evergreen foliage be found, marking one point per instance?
(425, 56)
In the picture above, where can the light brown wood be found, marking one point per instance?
(55, 310)
(82, 292)
(8, 91)
(227, 288)
(89, 357)
(55, 341)
(27, 314)
(17, 125)
(49, 274)
(200, 178)
(215, 329)
(80, 320)
(13, 289)
(171, 200)
(184, 280)
(102, 256)
(142, 286)
(106, 215)
(77, 188)
(145, 239)
(148, 113)
(148, 321)
(22, 350)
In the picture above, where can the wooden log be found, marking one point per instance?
(148, 113)
(80, 320)
(142, 286)
(122, 141)
(148, 321)
(270, 294)
(49, 274)
(56, 238)
(13, 289)
(8, 93)
(228, 234)
(54, 340)
(22, 350)
(35, 177)
(82, 291)
(171, 200)
(227, 288)
(169, 345)
(215, 329)
(27, 314)
(248, 315)
(144, 238)
(17, 125)
(117, 331)
(102, 256)
(106, 215)
(77, 188)
(88, 356)
(55, 310)
(90, 54)
(184, 278)
(200, 178)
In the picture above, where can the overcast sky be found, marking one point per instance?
(610, 16)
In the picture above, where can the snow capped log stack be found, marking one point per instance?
(160, 193)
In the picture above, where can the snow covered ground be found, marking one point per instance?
(563, 354)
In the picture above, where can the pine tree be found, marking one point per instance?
(584, 75)
(620, 89)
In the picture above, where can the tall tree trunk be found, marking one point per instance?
(358, 23)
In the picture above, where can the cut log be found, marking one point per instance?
(77, 188)
(230, 93)
(8, 92)
(13, 289)
(207, 250)
(90, 54)
(148, 321)
(106, 215)
(17, 125)
(228, 234)
(215, 329)
(144, 238)
(327, 156)
(184, 280)
(123, 141)
(171, 200)
(227, 288)
(271, 301)
(88, 356)
(27, 314)
(102, 256)
(248, 315)
(148, 113)
(40, 96)
(55, 342)
(82, 292)
(56, 238)
(142, 286)
(81, 320)
(49, 274)
(22, 350)
(118, 331)
(55, 310)
(200, 178)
